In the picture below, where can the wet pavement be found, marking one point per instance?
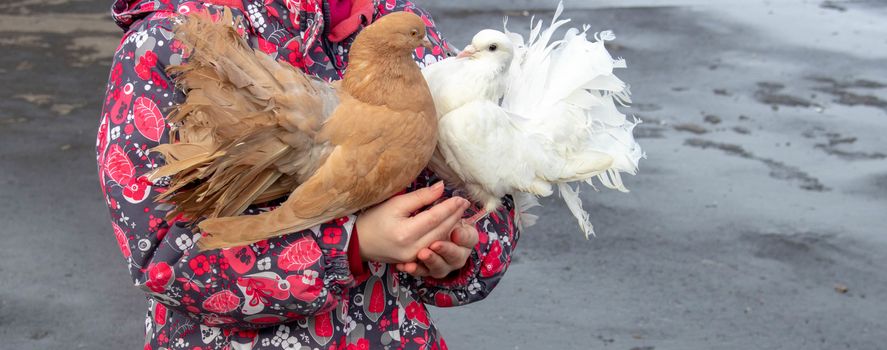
(757, 221)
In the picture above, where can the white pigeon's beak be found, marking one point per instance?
(467, 52)
(427, 43)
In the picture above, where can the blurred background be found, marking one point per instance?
(757, 222)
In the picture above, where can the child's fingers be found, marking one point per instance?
(437, 266)
(441, 231)
(434, 216)
(414, 269)
(465, 235)
(410, 202)
(425, 254)
(453, 254)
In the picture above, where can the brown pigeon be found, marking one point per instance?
(252, 129)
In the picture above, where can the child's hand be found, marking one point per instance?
(443, 257)
(388, 234)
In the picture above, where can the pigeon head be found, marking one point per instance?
(398, 31)
(490, 44)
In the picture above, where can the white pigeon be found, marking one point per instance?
(517, 117)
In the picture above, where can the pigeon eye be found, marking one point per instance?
(493, 47)
(414, 32)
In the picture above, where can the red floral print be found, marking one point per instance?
(148, 119)
(416, 311)
(299, 255)
(159, 276)
(332, 235)
(242, 259)
(137, 190)
(118, 166)
(493, 262)
(221, 302)
(147, 62)
(160, 314)
(200, 265)
(121, 241)
(443, 300)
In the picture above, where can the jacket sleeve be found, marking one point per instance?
(496, 232)
(273, 281)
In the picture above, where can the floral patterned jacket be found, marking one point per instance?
(290, 292)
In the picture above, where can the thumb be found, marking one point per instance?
(465, 235)
(413, 201)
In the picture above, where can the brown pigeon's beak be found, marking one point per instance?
(468, 51)
(427, 43)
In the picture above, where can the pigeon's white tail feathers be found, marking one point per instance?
(610, 179)
(565, 90)
(523, 202)
(574, 203)
(581, 167)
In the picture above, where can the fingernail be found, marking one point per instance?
(438, 185)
